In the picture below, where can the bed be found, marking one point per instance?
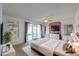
(59, 49)
(45, 46)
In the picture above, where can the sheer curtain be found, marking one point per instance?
(38, 31)
(34, 29)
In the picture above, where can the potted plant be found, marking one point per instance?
(7, 38)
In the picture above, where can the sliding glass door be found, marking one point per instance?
(34, 32)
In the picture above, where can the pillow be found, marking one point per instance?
(40, 41)
(76, 47)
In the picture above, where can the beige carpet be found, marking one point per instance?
(18, 49)
(29, 51)
(24, 50)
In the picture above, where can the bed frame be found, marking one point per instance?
(38, 52)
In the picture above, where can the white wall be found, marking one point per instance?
(20, 39)
(0, 13)
(21, 28)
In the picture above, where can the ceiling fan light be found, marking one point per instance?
(45, 21)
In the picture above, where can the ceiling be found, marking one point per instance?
(36, 11)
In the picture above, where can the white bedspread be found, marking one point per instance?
(49, 47)
(46, 48)
(40, 41)
(59, 49)
(51, 44)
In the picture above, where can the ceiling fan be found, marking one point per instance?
(46, 19)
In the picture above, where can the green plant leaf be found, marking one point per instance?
(7, 37)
